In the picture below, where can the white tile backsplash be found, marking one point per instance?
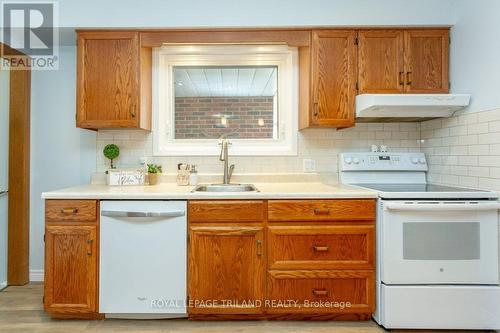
(461, 150)
(322, 145)
(464, 150)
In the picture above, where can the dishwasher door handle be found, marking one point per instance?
(113, 213)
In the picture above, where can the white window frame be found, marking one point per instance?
(168, 56)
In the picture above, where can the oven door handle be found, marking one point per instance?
(442, 207)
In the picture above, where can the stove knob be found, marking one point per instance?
(414, 160)
(356, 160)
(421, 160)
(348, 160)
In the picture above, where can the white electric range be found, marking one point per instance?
(437, 246)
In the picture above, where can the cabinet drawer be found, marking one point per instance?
(71, 210)
(321, 247)
(226, 211)
(322, 291)
(321, 210)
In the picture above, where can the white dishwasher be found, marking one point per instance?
(143, 248)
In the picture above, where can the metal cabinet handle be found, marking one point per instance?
(318, 211)
(2, 193)
(259, 247)
(401, 78)
(315, 111)
(320, 292)
(112, 213)
(320, 248)
(89, 251)
(69, 211)
(408, 78)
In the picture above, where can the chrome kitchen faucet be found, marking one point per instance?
(228, 170)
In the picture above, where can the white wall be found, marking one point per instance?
(199, 13)
(475, 50)
(63, 156)
(4, 171)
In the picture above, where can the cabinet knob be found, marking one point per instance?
(69, 211)
(259, 247)
(408, 78)
(320, 292)
(401, 78)
(315, 109)
(320, 248)
(89, 250)
(318, 211)
(132, 113)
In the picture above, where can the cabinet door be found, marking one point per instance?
(226, 270)
(381, 62)
(321, 247)
(108, 82)
(323, 291)
(334, 66)
(427, 58)
(70, 269)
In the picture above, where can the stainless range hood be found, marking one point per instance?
(408, 107)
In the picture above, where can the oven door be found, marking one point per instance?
(439, 242)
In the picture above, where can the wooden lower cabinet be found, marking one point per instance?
(306, 259)
(344, 211)
(226, 269)
(332, 292)
(70, 269)
(321, 247)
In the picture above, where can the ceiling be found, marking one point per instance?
(225, 81)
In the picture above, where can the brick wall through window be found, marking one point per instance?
(210, 117)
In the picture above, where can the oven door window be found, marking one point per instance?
(441, 241)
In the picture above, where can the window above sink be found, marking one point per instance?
(246, 92)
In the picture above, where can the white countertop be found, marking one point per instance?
(279, 190)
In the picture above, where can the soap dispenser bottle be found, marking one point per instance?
(193, 176)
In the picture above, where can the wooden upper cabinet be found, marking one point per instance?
(427, 61)
(381, 61)
(226, 263)
(113, 81)
(403, 61)
(71, 269)
(333, 76)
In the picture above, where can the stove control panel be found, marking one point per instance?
(366, 161)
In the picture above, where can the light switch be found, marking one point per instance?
(308, 165)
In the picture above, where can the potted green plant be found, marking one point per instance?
(153, 171)
(111, 152)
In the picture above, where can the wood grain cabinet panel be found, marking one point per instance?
(321, 247)
(334, 66)
(113, 81)
(321, 210)
(226, 264)
(226, 211)
(381, 61)
(71, 269)
(427, 61)
(71, 210)
(323, 291)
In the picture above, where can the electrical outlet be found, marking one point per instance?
(308, 165)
